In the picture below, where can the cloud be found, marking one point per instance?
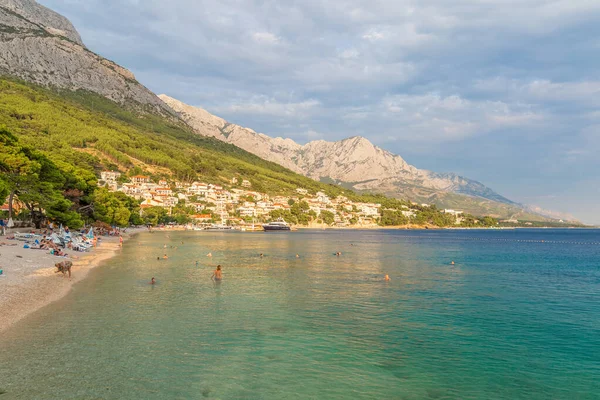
(498, 88)
(265, 37)
(432, 117)
(374, 35)
(583, 92)
(265, 106)
(349, 54)
(313, 135)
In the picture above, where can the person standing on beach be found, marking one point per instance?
(217, 275)
(120, 241)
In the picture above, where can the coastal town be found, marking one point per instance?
(239, 205)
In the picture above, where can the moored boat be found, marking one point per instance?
(278, 225)
(215, 227)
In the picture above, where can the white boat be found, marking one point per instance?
(278, 225)
(215, 227)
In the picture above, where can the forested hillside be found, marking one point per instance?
(55, 143)
(84, 133)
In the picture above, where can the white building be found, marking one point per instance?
(369, 210)
(247, 211)
(198, 189)
(322, 198)
(171, 201)
(109, 176)
(131, 189)
(140, 179)
(452, 212)
(164, 191)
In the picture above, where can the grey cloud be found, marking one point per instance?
(504, 81)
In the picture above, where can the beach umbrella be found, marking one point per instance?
(61, 231)
(10, 223)
(90, 234)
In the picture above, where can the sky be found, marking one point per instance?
(506, 92)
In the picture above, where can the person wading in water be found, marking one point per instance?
(217, 276)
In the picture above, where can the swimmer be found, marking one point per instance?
(165, 257)
(217, 275)
(152, 281)
(209, 255)
(452, 263)
(297, 255)
(387, 278)
(261, 255)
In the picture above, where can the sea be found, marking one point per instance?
(516, 317)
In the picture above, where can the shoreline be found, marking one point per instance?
(29, 281)
(409, 227)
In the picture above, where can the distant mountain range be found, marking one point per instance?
(41, 46)
(357, 164)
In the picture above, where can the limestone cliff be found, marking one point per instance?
(355, 161)
(41, 46)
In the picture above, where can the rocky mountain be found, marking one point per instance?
(551, 213)
(41, 46)
(354, 162)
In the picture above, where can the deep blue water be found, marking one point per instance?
(516, 317)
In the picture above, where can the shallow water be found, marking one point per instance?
(515, 318)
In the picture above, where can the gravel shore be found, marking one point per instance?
(29, 281)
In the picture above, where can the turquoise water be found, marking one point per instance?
(515, 318)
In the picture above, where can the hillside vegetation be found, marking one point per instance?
(84, 133)
(55, 143)
(474, 205)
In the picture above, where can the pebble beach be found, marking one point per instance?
(29, 280)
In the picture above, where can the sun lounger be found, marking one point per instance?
(27, 236)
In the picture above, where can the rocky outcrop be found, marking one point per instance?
(40, 46)
(354, 161)
(52, 22)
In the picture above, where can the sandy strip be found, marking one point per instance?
(29, 281)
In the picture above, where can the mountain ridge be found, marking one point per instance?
(41, 46)
(354, 161)
(50, 20)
